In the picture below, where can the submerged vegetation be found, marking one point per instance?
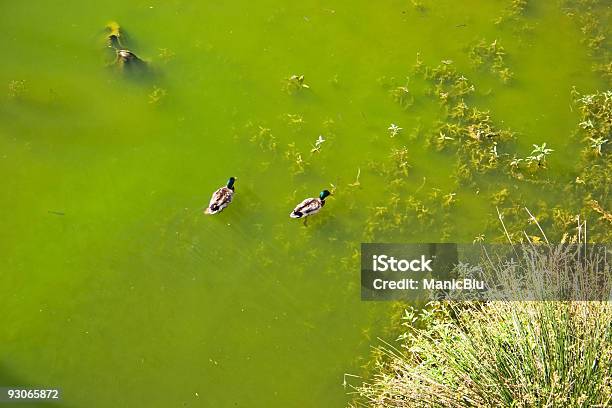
(429, 157)
(593, 18)
(491, 56)
(527, 354)
(157, 95)
(294, 83)
(591, 187)
(16, 88)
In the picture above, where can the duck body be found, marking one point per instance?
(309, 206)
(221, 198)
(115, 41)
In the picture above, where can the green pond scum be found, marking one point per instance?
(418, 121)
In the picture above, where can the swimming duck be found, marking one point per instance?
(221, 198)
(114, 35)
(127, 56)
(124, 58)
(309, 206)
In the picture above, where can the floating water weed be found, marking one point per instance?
(539, 154)
(394, 130)
(317, 144)
(356, 183)
(400, 160)
(418, 5)
(492, 57)
(512, 13)
(449, 85)
(466, 129)
(597, 143)
(295, 83)
(262, 136)
(165, 54)
(294, 156)
(402, 96)
(593, 16)
(16, 88)
(605, 70)
(479, 238)
(329, 127)
(295, 121)
(605, 215)
(449, 199)
(157, 95)
(594, 178)
(596, 116)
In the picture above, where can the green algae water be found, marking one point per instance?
(116, 288)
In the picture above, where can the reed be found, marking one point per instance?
(499, 353)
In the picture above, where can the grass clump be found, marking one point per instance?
(499, 353)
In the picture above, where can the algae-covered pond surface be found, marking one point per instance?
(117, 288)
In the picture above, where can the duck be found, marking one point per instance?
(124, 58)
(114, 35)
(310, 206)
(221, 198)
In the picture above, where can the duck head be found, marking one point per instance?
(230, 183)
(324, 194)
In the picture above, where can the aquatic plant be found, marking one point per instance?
(402, 96)
(418, 5)
(596, 118)
(294, 156)
(448, 85)
(513, 11)
(590, 193)
(479, 238)
(597, 143)
(262, 136)
(469, 132)
(166, 54)
(295, 121)
(604, 69)
(295, 83)
(16, 88)
(356, 183)
(539, 154)
(317, 144)
(399, 156)
(394, 130)
(499, 353)
(592, 17)
(157, 95)
(492, 57)
(605, 215)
